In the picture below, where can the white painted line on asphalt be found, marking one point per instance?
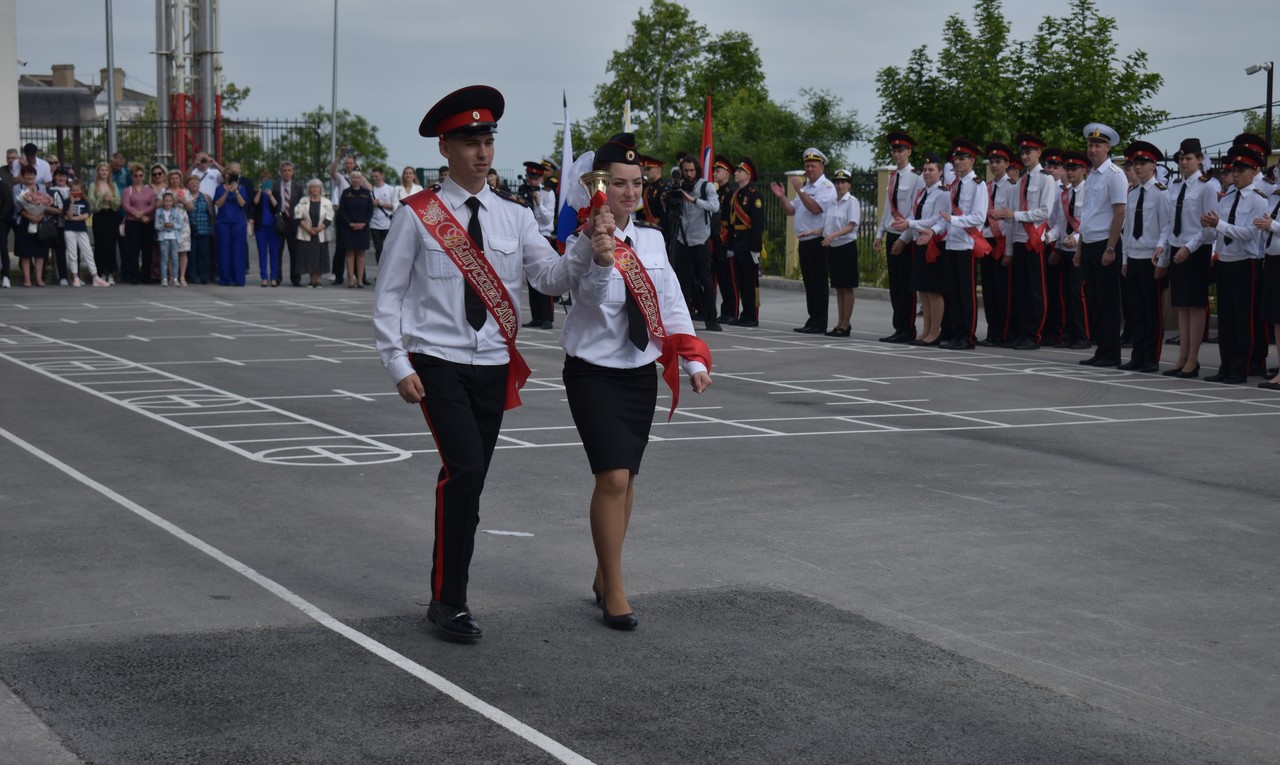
(349, 394)
(224, 337)
(139, 339)
(455, 692)
(507, 533)
(233, 362)
(323, 358)
(143, 318)
(70, 321)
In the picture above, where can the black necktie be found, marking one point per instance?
(1271, 234)
(1137, 214)
(1071, 211)
(920, 204)
(1231, 217)
(1177, 210)
(476, 313)
(637, 329)
(893, 192)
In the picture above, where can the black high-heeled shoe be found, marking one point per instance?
(596, 591)
(626, 622)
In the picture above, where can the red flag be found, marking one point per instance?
(708, 154)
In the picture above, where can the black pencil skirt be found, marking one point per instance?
(613, 411)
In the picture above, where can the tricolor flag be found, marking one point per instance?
(708, 154)
(567, 217)
(626, 114)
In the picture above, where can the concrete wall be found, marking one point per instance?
(8, 74)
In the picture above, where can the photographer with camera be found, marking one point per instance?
(542, 308)
(697, 203)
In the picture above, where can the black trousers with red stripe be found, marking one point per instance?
(463, 405)
(726, 283)
(1055, 282)
(1028, 293)
(1102, 297)
(901, 296)
(997, 284)
(1237, 290)
(747, 272)
(1074, 310)
(960, 307)
(1146, 325)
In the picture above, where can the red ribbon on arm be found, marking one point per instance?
(675, 347)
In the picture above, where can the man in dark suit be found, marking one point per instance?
(288, 194)
(6, 221)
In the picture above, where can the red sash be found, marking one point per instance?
(893, 195)
(638, 283)
(1035, 233)
(1066, 211)
(480, 276)
(980, 244)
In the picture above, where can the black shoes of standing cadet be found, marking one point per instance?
(454, 622)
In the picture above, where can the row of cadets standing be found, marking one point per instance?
(746, 233)
(904, 184)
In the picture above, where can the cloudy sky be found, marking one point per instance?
(397, 57)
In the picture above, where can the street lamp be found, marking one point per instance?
(657, 133)
(1268, 67)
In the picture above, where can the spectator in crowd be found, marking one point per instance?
(139, 203)
(7, 175)
(170, 220)
(209, 172)
(54, 164)
(315, 221)
(121, 173)
(231, 228)
(408, 184)
(182, 198)
(288, 193)
(442, 174)
(341, 180)
(44, 173)
(356, 210)
(32, 203)
(840, 238)
(76, 237)
(698, 205)
(384, 204)
(200, 222)
(266, 211)
(104, 206)
(60, 193)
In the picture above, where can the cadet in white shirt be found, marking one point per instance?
(965, 212)
(1189, 255)
(922, 231)
(904, 181)
(1036, 195)
(449, 349)
(612, 344)
(1148, 221)
(542, 308)
(1269, 225)
(1064, 232)
(997, 277)
(1237, 271)
(840, 239)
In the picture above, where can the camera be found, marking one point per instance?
(233, 178)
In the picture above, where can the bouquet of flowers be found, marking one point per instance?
(34, 203)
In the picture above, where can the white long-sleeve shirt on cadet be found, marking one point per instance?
(418, 300)
(970, 195)
(1248, 204)
(845, 210)
(1198, 196)
(596, 329)
(1040, 189)
(908, 183)
(929, 203)
(1271, 237)
(823, 191)
(1000, 193)
(1105, 187)
(1059, 222)
(1157, 214)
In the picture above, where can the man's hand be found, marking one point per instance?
(796, 183)
(410, 389)
(1181, 255)
(700, 381)
(1262, 223)
(1002, 213)
(877, 244)
(898, 246)
(1209, 220)
(777, 190)
(1109, 256)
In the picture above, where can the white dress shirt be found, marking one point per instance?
(936, 200)
(841, 213)
(386, 194)
(823, 191)
(972, 201)
(596, 328)
(909, 182)
(419, 300)
(1001, 193)
(1059, 223)
(1199, 196)
(1104, 187)
(1270, 240)
(406, 191)
(1242, 233)
(1040, 188)
(1157, 221)
(544, 211)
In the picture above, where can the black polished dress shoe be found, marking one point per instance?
(548, 325)
(1149, 368)
(1172, 372)
(1269, 386)
(535, 324)
(987, 342)
(748, 323)
(803, 330)
(1063, 343)
(1106, 362)
(1087, 362)
(453, 622)
(625, 622)
(896, 337)
(934, 343)
(1131, 365)
(1219, 377)
(714, 328)
(1080, 345)
(838, 332)
(1188, 374)
(1026, 345)
(812, 330)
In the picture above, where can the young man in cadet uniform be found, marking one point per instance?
(722, 174)
(446, 313)
(904, 181)
(1030, 215)
(997, 277)
(1148, 220)
(746, 235)
(965, 214)
(542, 308)
(1064, 229)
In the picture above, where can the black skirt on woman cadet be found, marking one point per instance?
(610, 373)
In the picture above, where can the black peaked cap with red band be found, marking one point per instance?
(473, 110)
(1028, 139)
(1143, 150)
(748, 166)
(1244, 155)
(995, 149)
(1251, 141)
(534, 168)
(964, 146)
(1075, 159)
(899, 138)
(723, 162)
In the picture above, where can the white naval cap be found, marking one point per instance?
(812, 153)
(1098, 131)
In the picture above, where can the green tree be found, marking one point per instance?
(987, 87)
(308, 146)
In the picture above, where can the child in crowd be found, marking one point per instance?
(170, 221)
(75, 234)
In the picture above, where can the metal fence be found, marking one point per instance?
(871, 265)
(256, 144)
